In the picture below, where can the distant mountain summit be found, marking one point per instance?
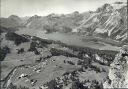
(14, 17)
(11, 21)
(54, 22)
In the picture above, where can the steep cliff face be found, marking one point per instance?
(109, 20)
(118, 73)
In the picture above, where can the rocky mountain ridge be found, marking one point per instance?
(108, 21)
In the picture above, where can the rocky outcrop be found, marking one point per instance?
(118, 73)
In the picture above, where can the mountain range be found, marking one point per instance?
(108, 21)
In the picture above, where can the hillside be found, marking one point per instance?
(28, 57)
(11, 21)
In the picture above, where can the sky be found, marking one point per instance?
(44, 7)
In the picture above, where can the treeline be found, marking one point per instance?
(10, 29)
(74, 82)
(107, 55)
(3, 52)
(18, 39)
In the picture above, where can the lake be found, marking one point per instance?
(70, 39)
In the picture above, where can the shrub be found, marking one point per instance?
(79, 62)
(66, 29)
(52, 85)
(95, 68)
(70, 62)
(3, 52)
(11, 86)
(20, 51)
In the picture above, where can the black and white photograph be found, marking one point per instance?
(63, 44)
